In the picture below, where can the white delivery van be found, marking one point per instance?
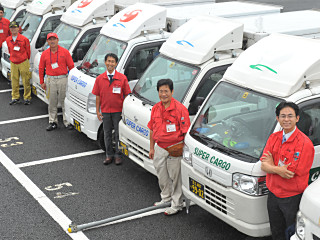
(308, 217)
(79, 27)
(221, 171)
(195, 65)
(41, 18)
(14, 10)
(136, 42)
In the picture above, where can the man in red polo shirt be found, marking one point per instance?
(57, 61)
(168, 125)
(110, 88)
(287, 159)
(19, 49)
(4, 28)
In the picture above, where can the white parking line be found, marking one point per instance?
(8, 90)
(43, 200)
(55, 159)
(25, 119)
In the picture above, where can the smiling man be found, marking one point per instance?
(56, 61)
(287, 159)
(168, 125)
(111, 88)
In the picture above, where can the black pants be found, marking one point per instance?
(282, 214)
(110, 122)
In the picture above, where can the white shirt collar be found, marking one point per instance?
(288, 134)
(114, 71)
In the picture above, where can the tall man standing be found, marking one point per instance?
(110, 88)
(57, 61)
(287, 159)
(168, 125)
(4, 28)
(19, 49)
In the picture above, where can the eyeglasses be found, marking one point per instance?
(290, 116)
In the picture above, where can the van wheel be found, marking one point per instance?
(101, 139)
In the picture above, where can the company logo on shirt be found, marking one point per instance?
(127, 17)
(84, 3)
(296, 156)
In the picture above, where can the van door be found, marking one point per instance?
(49, 25)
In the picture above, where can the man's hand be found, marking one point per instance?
(44, 86)
(267, 158)
(151, 153)
(99, 115)
(284, 172)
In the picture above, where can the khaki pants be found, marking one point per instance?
(169, 176)
(17, 70)
(56, 91)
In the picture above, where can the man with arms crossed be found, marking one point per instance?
(168, 125)
(287, 159)
(111, 88)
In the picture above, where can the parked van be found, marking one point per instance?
(221, 171)
(14, 10)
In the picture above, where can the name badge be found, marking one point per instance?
(116, 90)
(16, 48)
(54, 65)
(171, 127)
(1, 30)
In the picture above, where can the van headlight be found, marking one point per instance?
(300, 226)
(187, 157)
(251, 185)
(91, 105)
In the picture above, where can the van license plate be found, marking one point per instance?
(196, 188)
(77, 125)
(124, 149)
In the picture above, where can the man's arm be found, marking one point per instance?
(99, 115)
(41, 71)
(152, 143)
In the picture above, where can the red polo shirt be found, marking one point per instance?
(22, 51)
(176, 114)
(298, 151)
(111, 99)
(4, 30)
(62, 57)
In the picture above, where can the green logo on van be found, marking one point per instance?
(258, 67)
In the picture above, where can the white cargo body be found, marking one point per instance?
(41, 18)
(79, 27)
(308, 218)
(221, 171)
(14, 10)
(195, 64)
(139, 50)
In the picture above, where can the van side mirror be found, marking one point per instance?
(195, 105)
(79, 54)
(132, 73)
(41, 41)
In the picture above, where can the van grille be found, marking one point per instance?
(137, 150)
(77, 116)
(219, 201)
(77, 100)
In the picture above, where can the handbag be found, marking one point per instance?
(175, 150)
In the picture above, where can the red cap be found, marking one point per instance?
(52, 35)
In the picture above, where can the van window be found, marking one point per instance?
(18, 18)
(49, 25)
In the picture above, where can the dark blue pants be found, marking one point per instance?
(111, 122)
(282, 214)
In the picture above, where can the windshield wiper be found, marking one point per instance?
(144, 100)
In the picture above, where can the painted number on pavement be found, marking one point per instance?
(59, 186)
(10, 142)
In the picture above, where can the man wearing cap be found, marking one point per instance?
(4, 28)
(19, 49)
(56, 61)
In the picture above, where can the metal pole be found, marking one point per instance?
(75, 228)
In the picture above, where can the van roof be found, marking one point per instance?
(42, 7)
(133, 20)
(80, 13)
(12, 3)
(278, 65)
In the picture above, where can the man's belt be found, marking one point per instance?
(57, 77)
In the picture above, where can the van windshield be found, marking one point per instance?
(236, 121)
(93, 62)
(180, 73)
(29, 25)
(66, 34)
(8, 12)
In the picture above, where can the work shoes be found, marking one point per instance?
(14, 101)
(27, 102)
(107, 161)
(70, 127)
(171, 211)
(52, 126)
(161, 202)
(118, 161)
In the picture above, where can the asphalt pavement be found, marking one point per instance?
(50, 179)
